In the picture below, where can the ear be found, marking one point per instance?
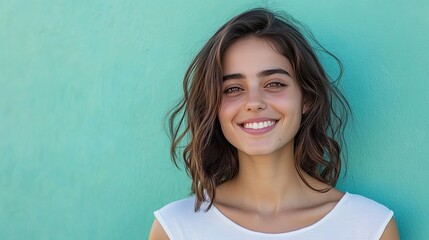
(304, 109)
(305, 106)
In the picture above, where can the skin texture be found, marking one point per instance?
(260, 86)
(157, 232)
(391, 231)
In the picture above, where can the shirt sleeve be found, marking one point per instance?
(384, 224)
(164, 224)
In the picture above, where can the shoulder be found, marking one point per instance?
(364, 205)
(178, 207)
(157, 232)
(391, 231)
(364, 213)
(176, 217)
(174, 213)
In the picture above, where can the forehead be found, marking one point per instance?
(252, 55)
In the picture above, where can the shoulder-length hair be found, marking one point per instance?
(209, 158)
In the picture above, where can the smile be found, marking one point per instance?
(258, 125)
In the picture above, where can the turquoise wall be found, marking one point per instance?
(84, 86)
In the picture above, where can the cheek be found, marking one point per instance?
(292, 102)
(226, 115)
(227, 111)
(294, 113)
(223, 118)
(289, 104)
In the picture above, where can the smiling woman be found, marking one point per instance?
(259, 89)
(264, 143)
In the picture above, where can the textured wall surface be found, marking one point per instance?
(85, 85)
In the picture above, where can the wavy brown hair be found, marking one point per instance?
(209, 158)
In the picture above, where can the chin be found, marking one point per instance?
(257, 151)
(266, 149)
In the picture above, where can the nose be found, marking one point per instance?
(255, 101)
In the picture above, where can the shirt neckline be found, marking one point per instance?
(293, 232)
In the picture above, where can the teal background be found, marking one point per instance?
(85, 85)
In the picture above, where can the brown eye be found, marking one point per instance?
(232, 90)
(275, 85)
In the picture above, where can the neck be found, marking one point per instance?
(266, 183)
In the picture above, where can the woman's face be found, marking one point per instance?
(261, 107)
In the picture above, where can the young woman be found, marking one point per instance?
(264, 126)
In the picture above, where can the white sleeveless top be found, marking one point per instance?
(354, 217)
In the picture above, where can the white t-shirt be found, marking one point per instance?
(354, 217)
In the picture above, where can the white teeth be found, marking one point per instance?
(259, 125)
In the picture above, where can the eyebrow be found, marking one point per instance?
(260, 74)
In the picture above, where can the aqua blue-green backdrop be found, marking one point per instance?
(85, 85)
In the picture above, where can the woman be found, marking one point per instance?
(264, 143)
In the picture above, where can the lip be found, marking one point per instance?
(258, 120)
